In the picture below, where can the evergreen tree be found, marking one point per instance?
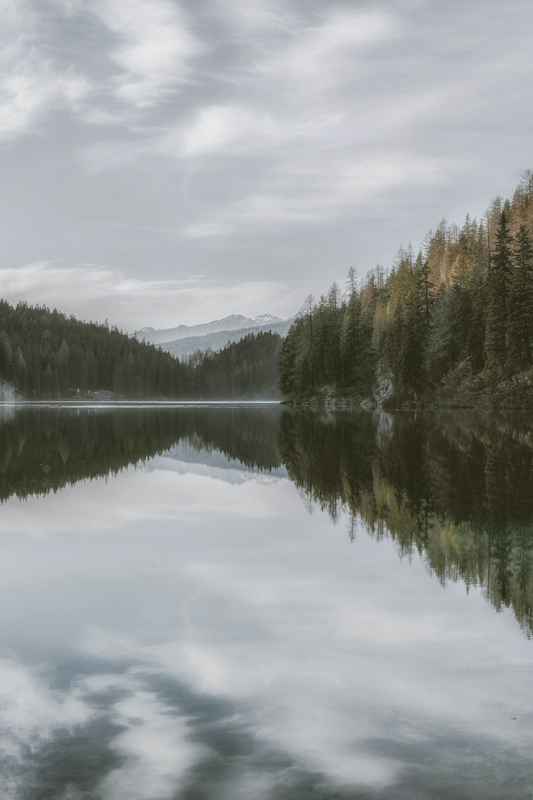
(497, 296)
(521, 302)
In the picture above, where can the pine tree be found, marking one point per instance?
(521, 302)
(350, 336)
(498, 295)
(6, 356)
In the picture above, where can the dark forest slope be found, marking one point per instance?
(452, 324)
(244, 369)
(46, 355)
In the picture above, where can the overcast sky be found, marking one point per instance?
(168, 161)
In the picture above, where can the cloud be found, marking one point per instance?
(31, 84)
(97, 293)
(319, 55)
(307, 192)
(275, 132)
(154, 47)
(253, 16)
(40, 75)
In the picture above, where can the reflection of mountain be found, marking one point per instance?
(456, 488)
(184, 458)
(45, 449)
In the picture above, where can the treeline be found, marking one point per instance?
(244, 369)
(44, 449)
(463, 305)
(47, 355)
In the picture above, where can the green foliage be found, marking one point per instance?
(44, 449)
(521, 302)
(498, 286)
(464, 301)
(47, 355)
(244, 369)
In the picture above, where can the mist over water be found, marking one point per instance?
(243, 602)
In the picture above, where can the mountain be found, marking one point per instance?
(233, 322)
(185, 340)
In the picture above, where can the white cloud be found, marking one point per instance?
(220, 126)
(320, 55)
(155, 46)
(238, 130)
(97, 293)
(307, 191)
(254, 15)
(31, 85)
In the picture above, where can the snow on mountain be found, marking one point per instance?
(181, 348)
(266, 319)
(230, 324)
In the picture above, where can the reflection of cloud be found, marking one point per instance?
(251, 641)
(328, 657)
(136, 495)
(154, 744)
(31, 711)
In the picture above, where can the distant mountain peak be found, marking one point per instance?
(265, 319)
(233, 322)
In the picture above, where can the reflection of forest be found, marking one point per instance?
(457, 488)
(45, 449)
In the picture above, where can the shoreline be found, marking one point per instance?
(129, 403)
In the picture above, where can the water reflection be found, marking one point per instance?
(456, 487)
(186, 630)
(45, 449)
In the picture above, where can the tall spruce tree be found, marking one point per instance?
(498, 295)
(351, 344)
(521, 302)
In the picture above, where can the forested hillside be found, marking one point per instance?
(46, 355)
(452, 322)
(244, 369)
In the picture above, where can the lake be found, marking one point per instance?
(225, 602)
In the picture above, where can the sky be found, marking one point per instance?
(175, 161)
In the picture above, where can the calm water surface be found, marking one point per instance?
(224, 603)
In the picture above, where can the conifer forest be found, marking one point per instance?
(46, 355)
(453, 321)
